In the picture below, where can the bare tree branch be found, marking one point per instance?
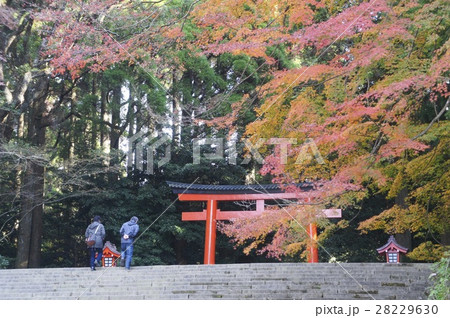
(434, 120)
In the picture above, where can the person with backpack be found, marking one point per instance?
(128, 232)
(95, 233)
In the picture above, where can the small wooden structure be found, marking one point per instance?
(213, 194)
(110, 255)
(392, 250)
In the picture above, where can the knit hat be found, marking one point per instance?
(97, 218)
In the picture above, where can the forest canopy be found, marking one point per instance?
(351, 97)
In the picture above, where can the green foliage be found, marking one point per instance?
(86, 176)
(199, 80)
(4, 262)
(441, 279)
(321, 14)
(426, 252)
(114, 77)
(280, 55)
(236, 67)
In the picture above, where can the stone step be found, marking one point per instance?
(316, 273)
(199, 272)
(189, 295)
(226, 281)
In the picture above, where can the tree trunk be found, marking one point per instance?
(30, 226)
(405, 238)
(25, 221)
(115, 118)
(8, 98)
(37, 214)
(94, 135)
(180, 246)
(445, 239)
(177, 121)
(177, 111)
(32, 191)
(105, 142)
(115, 131)
(21, 126)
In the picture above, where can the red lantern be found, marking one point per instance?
(392, 250)
(110, 255)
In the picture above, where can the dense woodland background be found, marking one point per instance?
(367, 81)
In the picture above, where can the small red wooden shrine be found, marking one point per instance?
(212, 194)
(392, 250)
(110, 255)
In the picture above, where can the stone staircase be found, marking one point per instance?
(230, 281)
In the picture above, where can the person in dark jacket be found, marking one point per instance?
(128, 232)
(96, 230)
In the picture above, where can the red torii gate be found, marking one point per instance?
(259, 193)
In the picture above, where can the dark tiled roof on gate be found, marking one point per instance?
(178, 187)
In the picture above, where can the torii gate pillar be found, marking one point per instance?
(313, 252)
(210, 233)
